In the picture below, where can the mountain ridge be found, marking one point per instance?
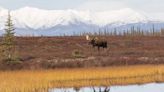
(30, 19)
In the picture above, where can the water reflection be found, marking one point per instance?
(153, 87)
(84, 89)
(77, 89)
(101, 89)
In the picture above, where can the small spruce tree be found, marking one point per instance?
(8, 40)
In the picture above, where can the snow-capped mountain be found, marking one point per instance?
(34, 21)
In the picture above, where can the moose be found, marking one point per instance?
(97, 42)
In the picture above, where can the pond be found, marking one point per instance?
(153, 87)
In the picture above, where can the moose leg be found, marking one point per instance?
(91, 51)
(98, 50)
(93, 46)
(105, 49)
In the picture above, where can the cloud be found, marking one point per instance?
(152, 8)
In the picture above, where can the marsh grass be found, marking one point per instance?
(43, 80)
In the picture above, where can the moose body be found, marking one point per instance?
(96, 42)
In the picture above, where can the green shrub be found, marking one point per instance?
(77, 54)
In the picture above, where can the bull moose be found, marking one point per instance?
(97, 42)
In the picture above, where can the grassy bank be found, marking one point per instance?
(42, 80)
(74, 52)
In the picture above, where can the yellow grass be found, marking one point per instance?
(42, 80)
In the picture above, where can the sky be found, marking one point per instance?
(153, 8)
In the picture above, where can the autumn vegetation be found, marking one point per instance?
(132, 57)
(45, 80)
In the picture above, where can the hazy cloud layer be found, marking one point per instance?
(101, 5)
(153, 8)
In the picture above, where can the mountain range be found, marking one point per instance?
(30, 21)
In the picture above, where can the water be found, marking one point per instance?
(153, 87)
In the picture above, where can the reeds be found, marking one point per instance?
(43, 80)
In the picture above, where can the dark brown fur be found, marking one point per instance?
(98, 43)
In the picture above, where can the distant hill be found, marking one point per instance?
(33, 21)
